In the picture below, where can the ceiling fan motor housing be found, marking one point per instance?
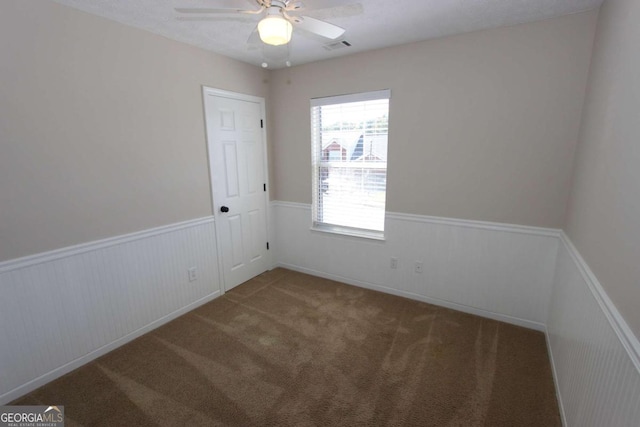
(274, 29)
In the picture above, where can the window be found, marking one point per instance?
(349, 136)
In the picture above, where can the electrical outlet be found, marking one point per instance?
(418, 267)
(193, 274)
(394, 263)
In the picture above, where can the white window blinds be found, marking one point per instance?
(349, 135)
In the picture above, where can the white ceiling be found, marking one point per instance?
(370, 24)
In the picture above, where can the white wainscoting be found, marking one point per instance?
(498, 271)
(595, 356)
(61, 309)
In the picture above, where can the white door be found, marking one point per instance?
(237, 163)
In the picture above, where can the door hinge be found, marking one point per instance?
(261, 124)
(265, 187)
(267, 245)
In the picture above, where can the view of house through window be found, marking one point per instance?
(349, 136)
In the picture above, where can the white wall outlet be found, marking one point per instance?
(193, 274)
(394, 262)
(418, 267)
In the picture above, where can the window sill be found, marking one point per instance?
(349, 232)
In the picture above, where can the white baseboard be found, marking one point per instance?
(435, 301)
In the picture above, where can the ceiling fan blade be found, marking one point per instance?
(223, 10)
(230, 4)
(212, 18)
(316, 26)
(189, 10)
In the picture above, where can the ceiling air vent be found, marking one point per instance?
(337, 45)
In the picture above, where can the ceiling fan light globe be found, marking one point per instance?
(275, 30)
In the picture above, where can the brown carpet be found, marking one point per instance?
(288, 349)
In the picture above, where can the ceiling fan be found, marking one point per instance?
(279, 19)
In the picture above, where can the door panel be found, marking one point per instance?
(231, 169)
(256, 241)
(252, 161)
(236, 240)
(238, 177)
(227, 119)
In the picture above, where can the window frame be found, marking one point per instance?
(316, 161)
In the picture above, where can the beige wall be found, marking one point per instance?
(603, 218)
(483, 126)
(101, 127)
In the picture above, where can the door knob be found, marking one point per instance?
(224, 209)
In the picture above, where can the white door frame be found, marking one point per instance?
(241, 97)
